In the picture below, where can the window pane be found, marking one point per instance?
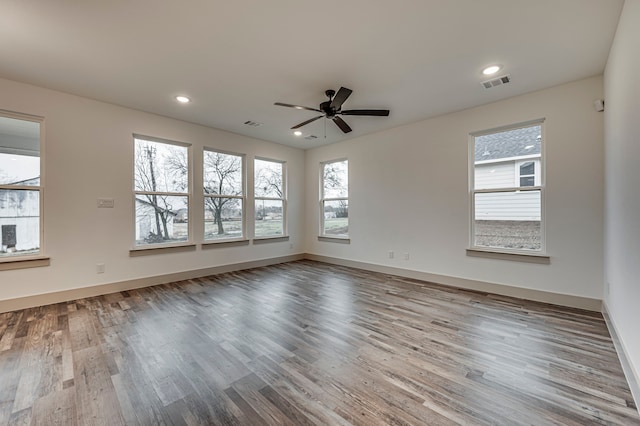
(161, 167)
(508, 220)
(495, 156)
(336, 179)
(222, 173)
(19, 152)
(19, 170)
(527, 168)
(19, 222)
(268, 179)
(161, 219)
(336, 217)
(222, 218)
(269, 219)
(527, 181)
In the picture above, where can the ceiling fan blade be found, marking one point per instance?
(304, 123)
(340, 97)
(373, 112)
(341, 123)
(297, 106)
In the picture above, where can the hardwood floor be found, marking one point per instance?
(308, 343)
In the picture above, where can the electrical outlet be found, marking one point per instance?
(406, 256)
(391, 254)
(100, 268)
(290, 245)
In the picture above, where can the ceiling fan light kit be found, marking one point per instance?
(332, 109)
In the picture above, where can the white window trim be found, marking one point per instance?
(189, 194)
(38, 259)
(328, 237)
(243, 198)
(540, 160)
(285, 232)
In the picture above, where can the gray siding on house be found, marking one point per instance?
(508, 206)
(501, 175)
(504, 205)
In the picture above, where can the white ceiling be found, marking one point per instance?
(419, 58)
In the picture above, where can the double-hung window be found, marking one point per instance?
(20, 186)
(162, 182)
(224, 191)
(334, 199)
(507, 188)
(269, 195)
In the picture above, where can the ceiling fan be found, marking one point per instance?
(332, 108)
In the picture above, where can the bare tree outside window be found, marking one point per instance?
(269, 198)
(223, 195)
(161, 184)
(334, 202)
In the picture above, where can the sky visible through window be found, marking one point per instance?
(16, 168)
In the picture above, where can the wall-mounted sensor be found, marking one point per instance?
(598, 105)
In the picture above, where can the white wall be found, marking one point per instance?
(88, 153)
(409, 193)
(622, 222)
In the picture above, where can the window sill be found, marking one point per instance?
(506, 255)
(225, 243)
(340, 240)
(274, 239)
(24, 263)
(147, 251)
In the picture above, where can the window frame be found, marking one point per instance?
(35, 259)
(283, 165)
(243, 197)
(539, 185)
(322, 234)
(188, 194)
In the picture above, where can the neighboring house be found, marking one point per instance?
(146, 221)
(508, 160)
(182, 216)
(20, 218)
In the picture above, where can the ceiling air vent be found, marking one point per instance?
(498, 81)
(252, 123)
(311, 137)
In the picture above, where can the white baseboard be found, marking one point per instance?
(504, 290)
(98, 290)
(633, 377)
(522, 293)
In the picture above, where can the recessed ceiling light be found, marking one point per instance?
(297, 133)
(491, 70)
(183, 99)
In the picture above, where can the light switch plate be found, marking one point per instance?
(106, 203)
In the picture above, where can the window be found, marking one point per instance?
(527, 175)
(507, 189)
(269, 198)
(20, 187)
(223, 196)
(334, 199)
(162, 190)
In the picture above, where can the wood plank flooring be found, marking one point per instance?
(306, 343)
